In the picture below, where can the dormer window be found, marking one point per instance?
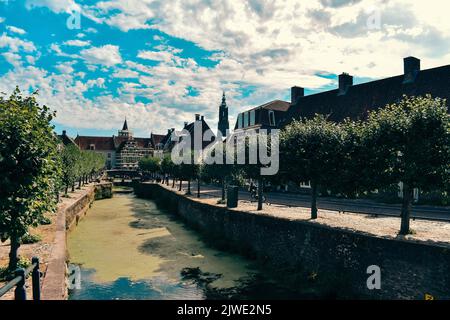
(272, 118)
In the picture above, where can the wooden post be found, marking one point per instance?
(36, 279)
(20, 291)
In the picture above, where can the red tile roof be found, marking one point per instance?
(100, 143)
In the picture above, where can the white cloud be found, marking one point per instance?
(15, 44)
(57, 6)
(77, 43)
(13, 58)
(266, 45)
(16, 30)
(2, 19)
(107, 55)
(125, 74)
(155, 55)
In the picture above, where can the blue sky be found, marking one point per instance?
(157, 63)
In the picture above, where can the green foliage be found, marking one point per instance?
(77, 164)
(71, 164)
(167, 166)
(410, 142)
(30, 239)
(45, 221)
(311, 150)
(29, 165)
(150, 164)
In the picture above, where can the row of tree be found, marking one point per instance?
(79, 166)
(33, 167)
(406, 142)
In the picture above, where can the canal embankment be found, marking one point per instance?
(335, 254)
(69, 213)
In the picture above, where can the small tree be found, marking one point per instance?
(188, 171)
(150, 165)
(70, 157)
(410, 142)
(311, 150)
(29, 167)
(167, 168)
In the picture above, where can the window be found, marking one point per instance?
(239, 121)
(272, 118)
(92, 147)
(252, 117)
(246, 119)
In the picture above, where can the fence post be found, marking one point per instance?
(20, 291)
(36, 279)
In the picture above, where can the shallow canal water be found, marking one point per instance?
(128, 248)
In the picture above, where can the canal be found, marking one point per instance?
(128, 248)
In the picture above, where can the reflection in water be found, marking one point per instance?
(130, 249)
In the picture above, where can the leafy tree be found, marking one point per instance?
(187, 172)
(410, 142)
(167, 168)
(221, 172)
(311, 150)
(150, 165)
(29, 167)
(70, 157)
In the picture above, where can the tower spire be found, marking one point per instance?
(223, 124)
(125, 125)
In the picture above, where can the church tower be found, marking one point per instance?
(125, 132)
(223, 117)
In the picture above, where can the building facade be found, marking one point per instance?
(123, 151)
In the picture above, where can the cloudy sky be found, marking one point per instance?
(157, 63)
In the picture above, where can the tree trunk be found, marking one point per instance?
(260, 193)
(223, 189)
(198, 188)
(73, 187)
(189, 187)
(313, 200)
(173, 182)
(181, 182)
(13, 253)
(66, 189)
(406, 209)
(79, 183)
(167, 180)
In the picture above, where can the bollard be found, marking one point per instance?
(20, 291)
(36, 279)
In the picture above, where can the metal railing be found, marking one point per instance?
(19, 280)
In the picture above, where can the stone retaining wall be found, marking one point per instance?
(54, 285)
(409, 270)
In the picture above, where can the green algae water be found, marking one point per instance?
(128, 248)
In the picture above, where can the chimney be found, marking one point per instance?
(296, 93)
(197, 117)
(64, 133)
(345, 82)
(411, 69)
(185, 124)
(202, 118)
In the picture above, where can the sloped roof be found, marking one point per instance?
(101, 143)
(360, 99)
(277, 105)
(156, 139)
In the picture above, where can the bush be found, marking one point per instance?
(7, 275)
(30, 239)
(45, 221)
